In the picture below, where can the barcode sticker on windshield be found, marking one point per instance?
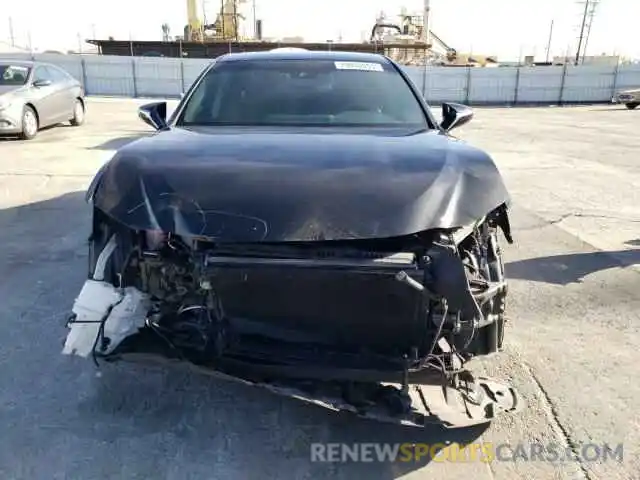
(368, 67)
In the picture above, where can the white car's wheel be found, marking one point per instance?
(29, 123)
(78, 113)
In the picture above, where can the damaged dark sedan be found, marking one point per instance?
(303, 223)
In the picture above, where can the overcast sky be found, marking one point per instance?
(505, 28)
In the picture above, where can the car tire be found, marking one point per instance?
(30, 124)
(497, 274)
(78, 113)
(631, 106)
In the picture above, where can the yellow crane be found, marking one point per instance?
(225, 28)
(193, 31)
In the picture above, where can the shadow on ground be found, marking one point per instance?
(570, 268)
(143, 422)
(119, 142)
(242, 430)
(610, 109)
(45, 230)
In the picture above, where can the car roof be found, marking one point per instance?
(28, 63)
(18, 62)
(301, 54)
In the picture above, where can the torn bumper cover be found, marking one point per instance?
(103, 312)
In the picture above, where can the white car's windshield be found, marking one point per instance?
(303, 92)
(13, 74)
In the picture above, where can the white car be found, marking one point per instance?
(630, 98)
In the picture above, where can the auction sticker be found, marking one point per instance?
(368, 67)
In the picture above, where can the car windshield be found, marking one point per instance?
(304, 93)
(13, 74)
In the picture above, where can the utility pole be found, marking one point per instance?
(255, 25)
(223, 19)
(204, 13)
(592, 12)
(549, 42)
(519, 55)
(11, 35)
(584, 21)
(235, 19)
(426, 22)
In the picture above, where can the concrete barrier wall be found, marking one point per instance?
(169, 77)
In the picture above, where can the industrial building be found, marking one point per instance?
(408, 40)
(215, 49)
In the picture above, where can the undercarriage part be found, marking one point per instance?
(467, 402)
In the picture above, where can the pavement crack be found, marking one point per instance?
(492, 474)
(545, 222)
(591, 215)
(561, 218)
(556, 425)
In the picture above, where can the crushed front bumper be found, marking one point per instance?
(422, 400)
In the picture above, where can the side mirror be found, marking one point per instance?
(455, 115)
(154, 114)
(41, 83)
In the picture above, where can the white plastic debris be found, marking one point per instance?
(128, 312)
(126, 318)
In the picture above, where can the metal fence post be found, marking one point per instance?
(614, 87)
(133, 74)
(562, 81)
(468, 87)
(515, 93)
(182, 81)
(84, 75)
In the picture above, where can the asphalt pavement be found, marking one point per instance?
(571, 344)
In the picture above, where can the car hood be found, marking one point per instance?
(237, 185)
(9, 89)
